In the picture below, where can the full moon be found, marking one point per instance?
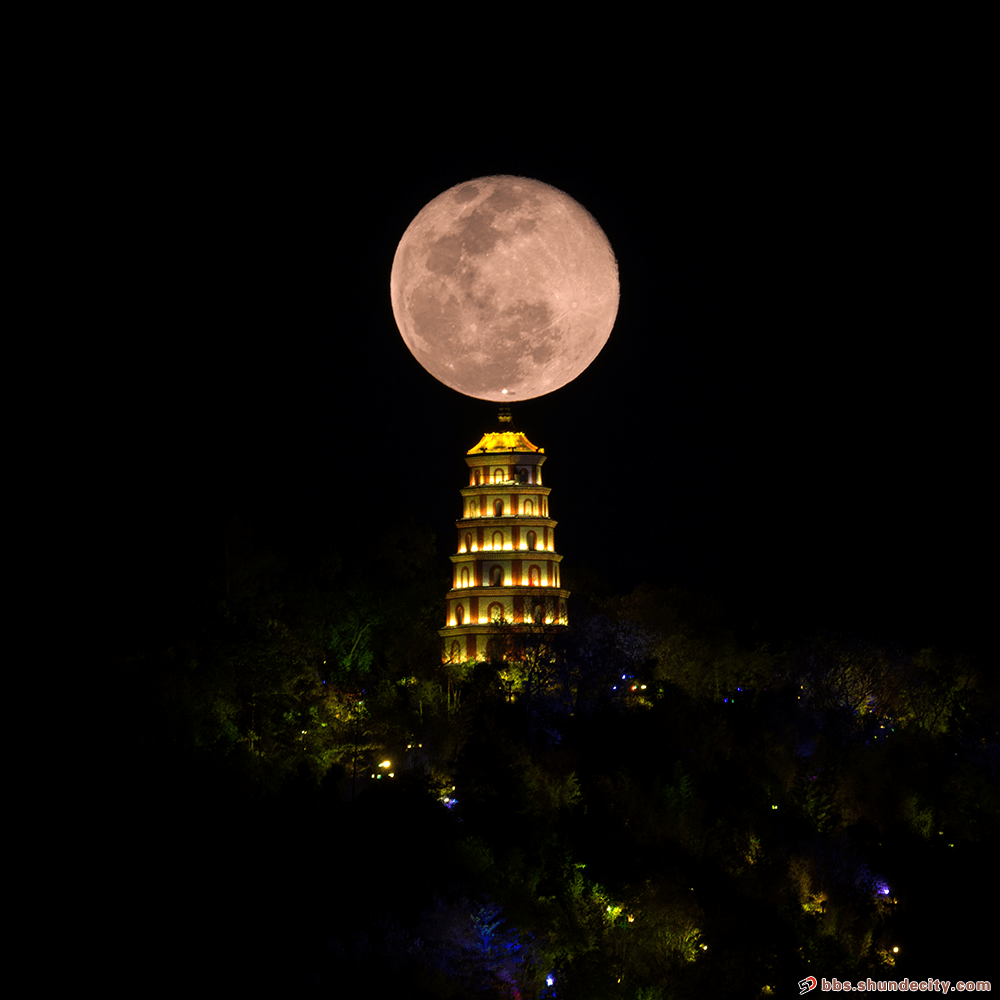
(504, 288)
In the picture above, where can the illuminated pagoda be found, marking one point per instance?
(506, 569)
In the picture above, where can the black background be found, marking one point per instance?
(789, 413)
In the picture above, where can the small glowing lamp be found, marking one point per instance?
(895, 950)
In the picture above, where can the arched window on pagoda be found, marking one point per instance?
(529, 508)
(496, 576)
(460, 615)
(456, 651)
(497, 541)
(498, 476)
(475, 476)
(534, 577)
(498, 508)
(532, 541)
(494, 613)
(465, 576)
(468, 542)
(538, 614)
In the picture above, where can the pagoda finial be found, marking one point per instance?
(505, 416)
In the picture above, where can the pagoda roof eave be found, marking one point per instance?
(498, 442)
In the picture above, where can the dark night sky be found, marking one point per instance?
(787, 413)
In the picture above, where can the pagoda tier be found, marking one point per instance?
(506, 568)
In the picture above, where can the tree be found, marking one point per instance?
(527, 656)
